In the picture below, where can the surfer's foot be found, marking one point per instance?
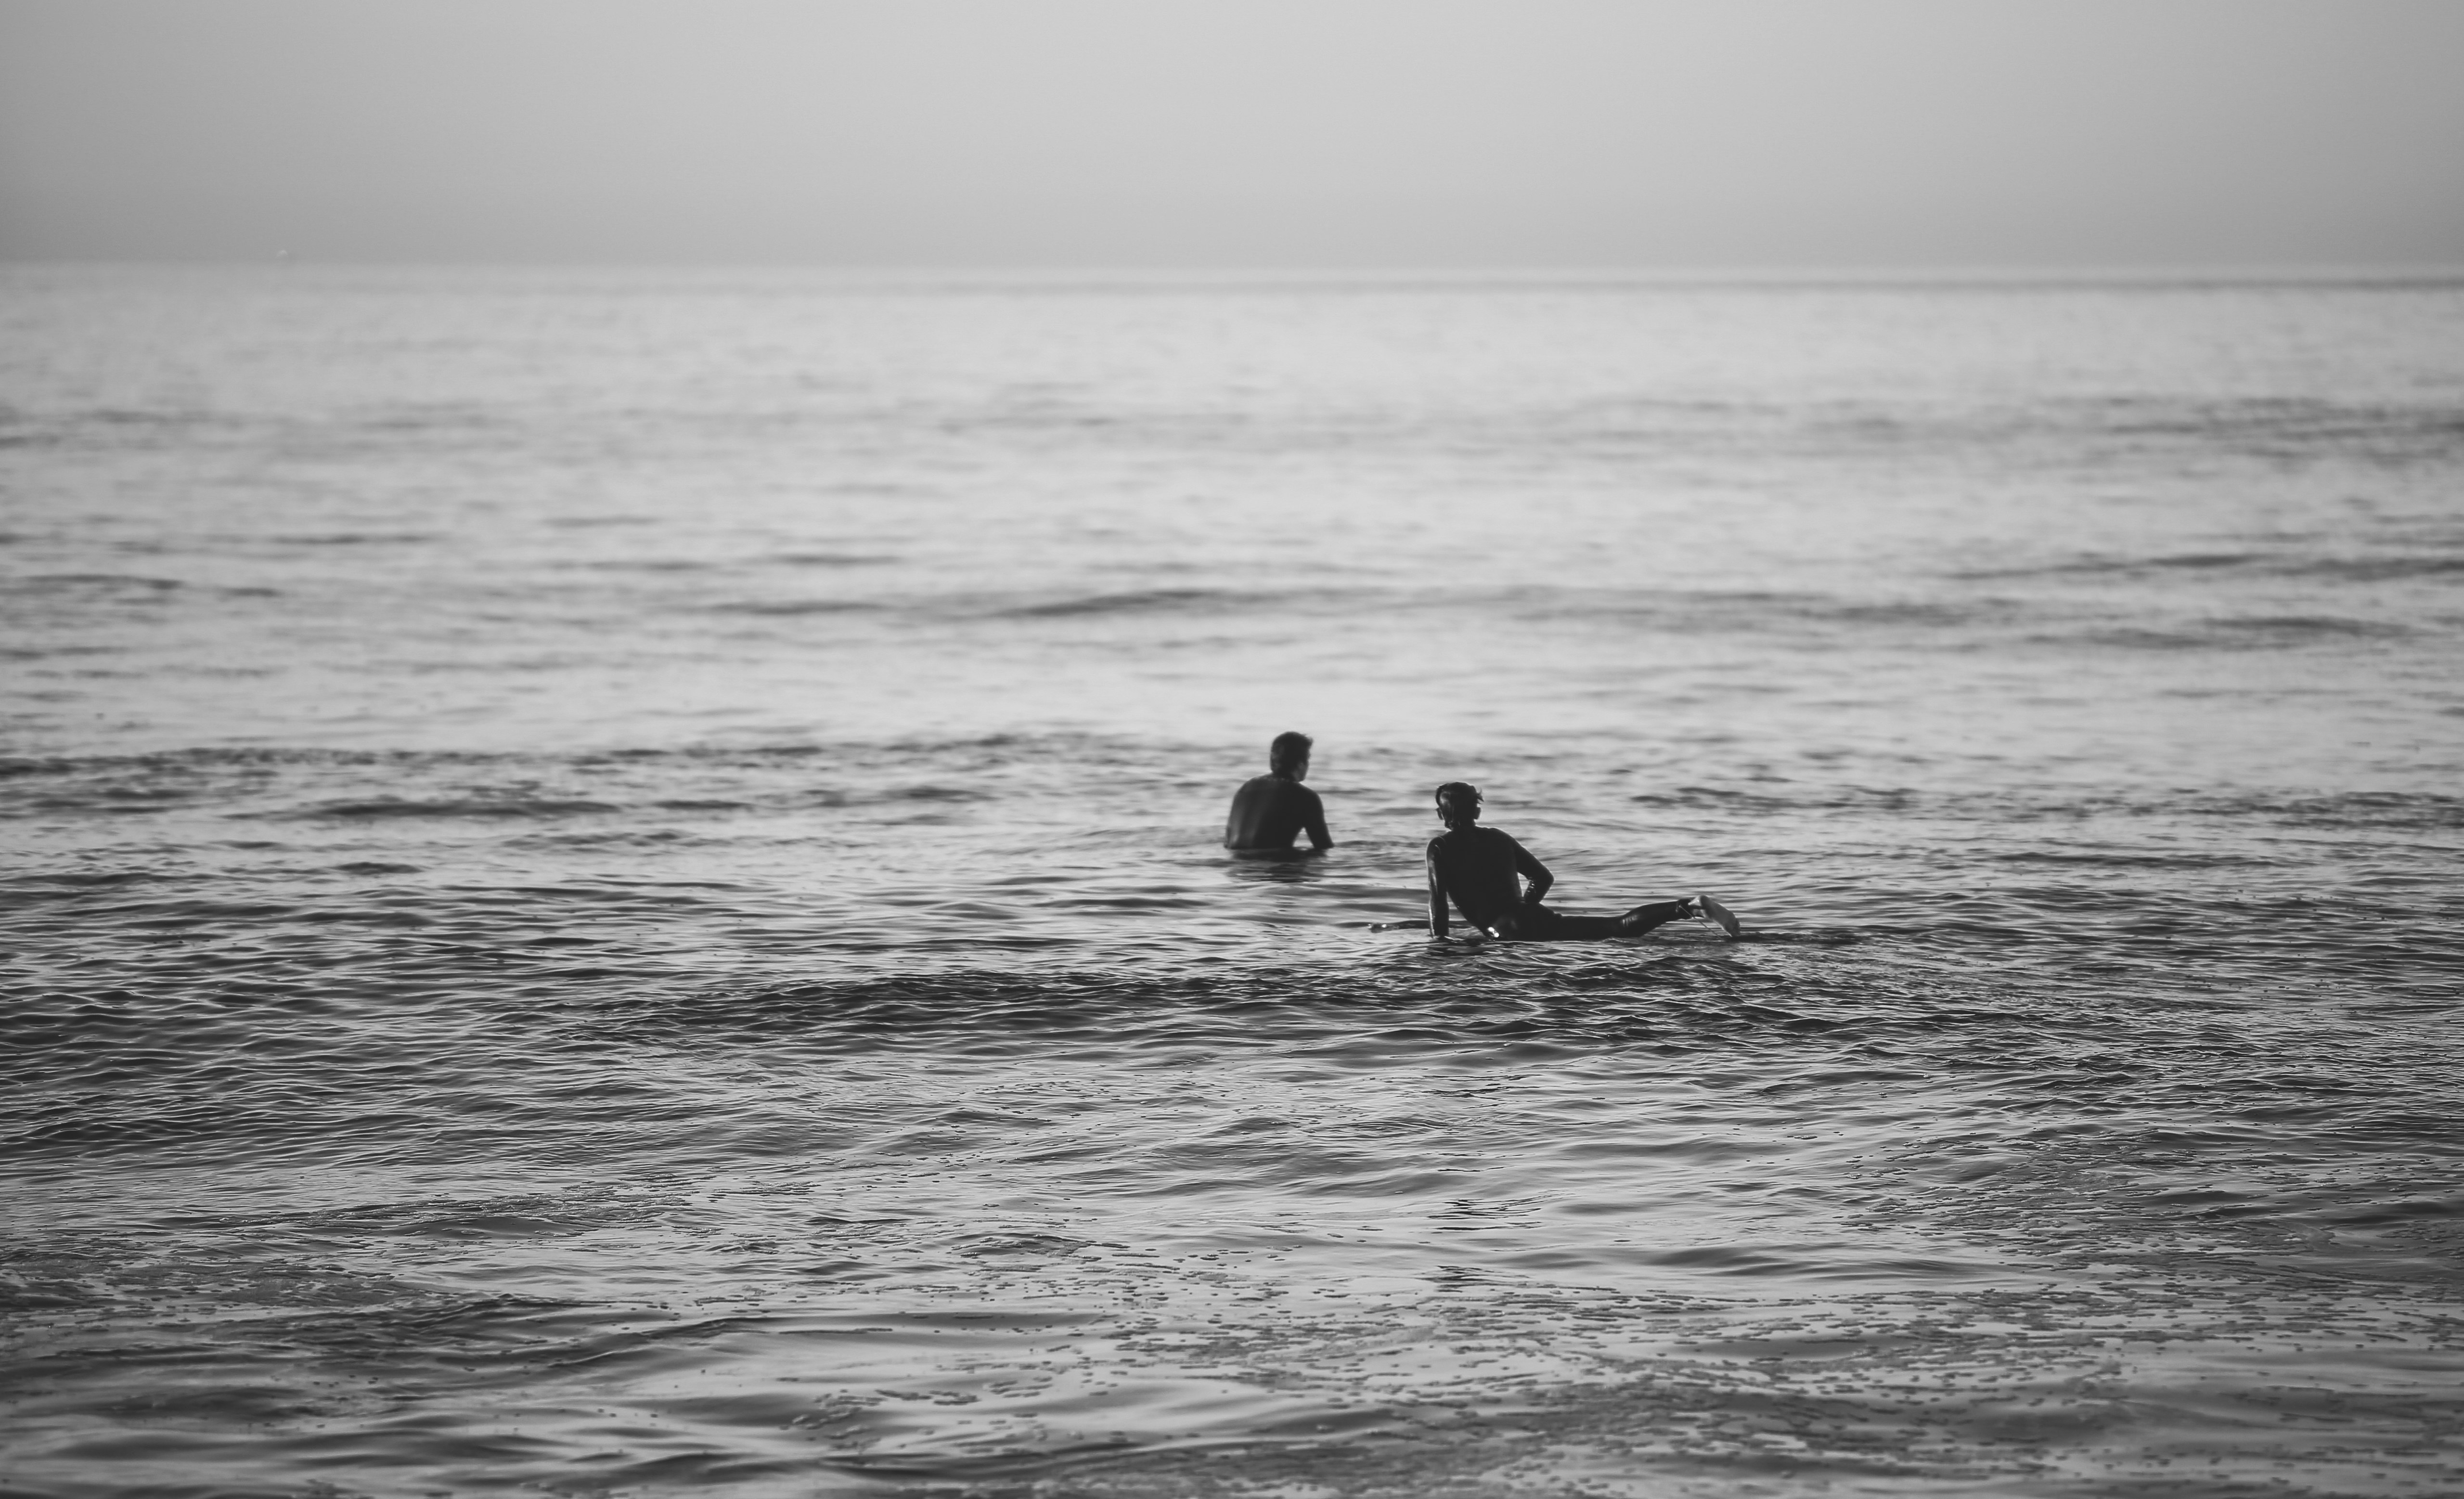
(1706, 906)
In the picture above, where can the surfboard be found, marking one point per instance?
(1713, 909)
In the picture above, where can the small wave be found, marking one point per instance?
(100, 581)
(78, 879)
(1023, 1245)
(595, 522)
(1142, 601)
(2128, 637)
(1767, 803)
(1941, 615)
(443, 416)
(788, 608)
(2115, 858)
(233, 756)
(2376, 569)
(2300, 627)
(833, 559)
(922, 757)
(2118, 566)
(2231, 632)
(2338, 569)
(360, 538)
(2201, 562)
(486, 807)
(122, 416)
(2421, 810)
(1729, 611)
(642, 565)
(660, 838)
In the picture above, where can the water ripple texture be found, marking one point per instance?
(608, 884)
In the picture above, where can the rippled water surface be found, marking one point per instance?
(608, 884)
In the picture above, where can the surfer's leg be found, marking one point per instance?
(1658, 914)
(1540, 924)
(1555, 926)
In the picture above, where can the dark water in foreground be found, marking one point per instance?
(607, 887)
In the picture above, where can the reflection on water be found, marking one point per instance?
(613, 912)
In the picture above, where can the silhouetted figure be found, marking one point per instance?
(1481, 869)
(1274, 808)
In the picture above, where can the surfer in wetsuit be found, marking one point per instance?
(1270, 811)
(1483, 871)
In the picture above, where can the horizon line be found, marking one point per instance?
(1576, 277)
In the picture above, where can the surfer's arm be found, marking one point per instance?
(1314, 823)
(1237, 820)
(1532, 870)
(1436, 897)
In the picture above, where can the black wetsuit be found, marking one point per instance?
(1481, 871)
(1269, 811)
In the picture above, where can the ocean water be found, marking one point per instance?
(608, 884)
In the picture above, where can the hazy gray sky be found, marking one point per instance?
(1445, 133)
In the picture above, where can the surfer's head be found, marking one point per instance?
(1289, 754)
(1458, 803)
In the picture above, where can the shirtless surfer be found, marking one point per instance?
(1481, 869)
(1272, 809)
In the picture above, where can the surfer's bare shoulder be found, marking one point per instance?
(1269, 811)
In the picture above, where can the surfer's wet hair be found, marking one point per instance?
(1290, 747)
(1454, 790)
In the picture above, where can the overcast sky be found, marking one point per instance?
(1340, 133)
